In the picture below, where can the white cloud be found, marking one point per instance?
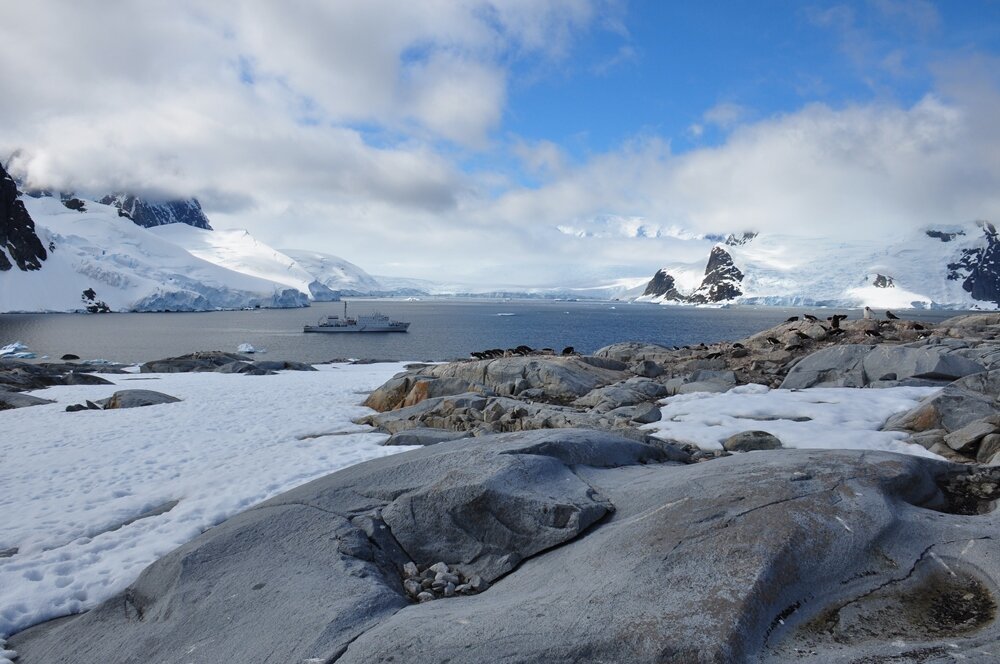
(344, 126)
(724, 115)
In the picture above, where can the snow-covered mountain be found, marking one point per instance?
(95, 257)
(335, 273)
(947, 267)
(239, 251)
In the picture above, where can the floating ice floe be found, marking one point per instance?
(817, 418)
(18, 351)
(246, 348)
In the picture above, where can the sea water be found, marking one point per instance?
(440, 329)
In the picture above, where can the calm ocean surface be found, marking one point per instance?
(439, 330)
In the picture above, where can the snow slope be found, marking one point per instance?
(239, 251)
(336, 273)
(788, 270)
(99, 495)
(129, 268)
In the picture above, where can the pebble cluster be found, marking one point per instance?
(439, 580)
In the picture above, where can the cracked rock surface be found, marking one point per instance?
(597, 549)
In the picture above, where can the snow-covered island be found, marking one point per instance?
(821, 491)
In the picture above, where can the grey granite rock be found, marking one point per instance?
(787, 555)
(11, 400)
(960, 403)
(967, 438)
(751, 441)
(856, 365)
(136, 399)
(424, 436)
(559, 378)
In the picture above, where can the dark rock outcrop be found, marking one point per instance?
(980, 268)
(882, 281)
(662, 285)
(149, 213)
(740, 239)
(722, 279)
(18, 241)
(598, 550)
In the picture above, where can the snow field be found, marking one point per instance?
(829, 418)
(89, 499)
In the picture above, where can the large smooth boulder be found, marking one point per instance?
(301, 576)
(787, 555)
(857, 365)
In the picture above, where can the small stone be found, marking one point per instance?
(412, 588)
(749, 441)
(438, 585)
(426, 584)
(93, 406)
(478, 583)
(425, 597)
(76, 407)
(410, 570)
(429, 574)
(799, 476)
(447, 577)
(464, 588)
(449, 590)
(439, 567)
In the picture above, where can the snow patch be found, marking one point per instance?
(817, 418)
(99, 495)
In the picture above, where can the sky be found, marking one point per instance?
(520, 142)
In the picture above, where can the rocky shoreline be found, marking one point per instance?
(548, 525)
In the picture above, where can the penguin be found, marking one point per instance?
(810, 318)
(868, 313)
(791, 319)
(801, 335)
(918, 326)
(872, 333)
(890, 315)
(569, 350)
(773, 341)
(476, 355)
(737, 345)
(712, 356)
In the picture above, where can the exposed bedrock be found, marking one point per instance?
(597, 549)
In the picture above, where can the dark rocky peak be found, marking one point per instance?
(738, 240)
(18, 239)
(943, 236)
(882, 281)
(980, 267)
(149, 213)
(662, 285)
(722, 279)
